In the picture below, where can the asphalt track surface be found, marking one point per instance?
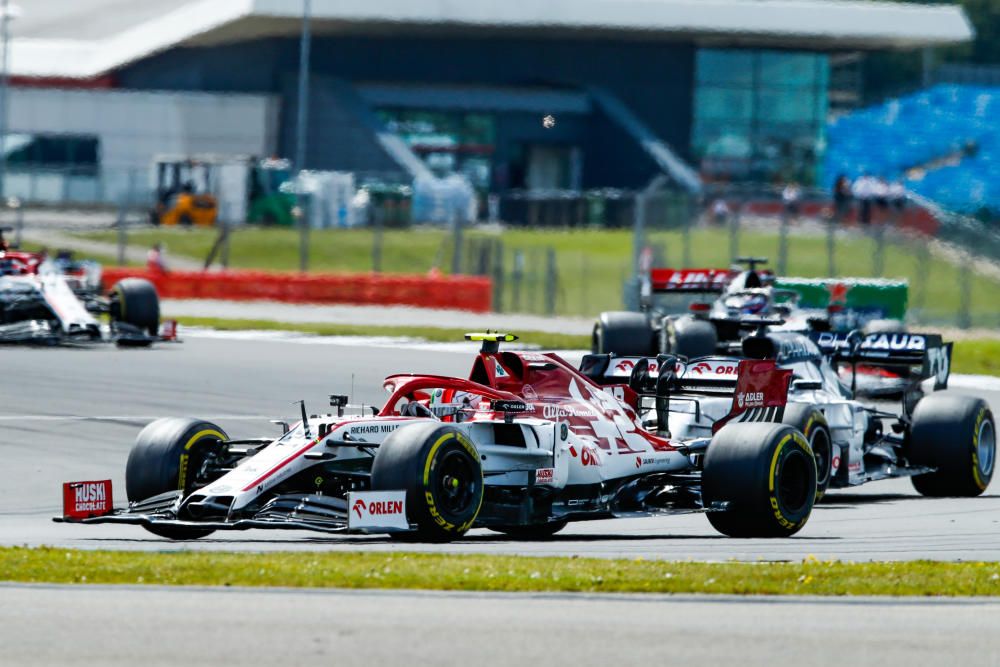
(72, 414)
(121, 625)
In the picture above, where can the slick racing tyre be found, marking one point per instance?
(623, 334)
(811, 423)
(957, 435)
(134, 301)
(688, 337)
(539, 531)
(440, 470)
(765, 473)
(167, 456)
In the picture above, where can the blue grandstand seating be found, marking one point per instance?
(918, 129)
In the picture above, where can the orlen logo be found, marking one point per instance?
(703, 367)
(378, 508)
(626, 366)
(750, 399)
(588, 456)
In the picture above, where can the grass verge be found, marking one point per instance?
(976, 357)
(591, 265)
(453, 572)
(546, 341)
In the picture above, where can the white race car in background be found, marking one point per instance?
(58, 300)
(945, 442)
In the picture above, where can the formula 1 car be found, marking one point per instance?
(523, 446)
(945, 442)
(663, 328)
(58, 300)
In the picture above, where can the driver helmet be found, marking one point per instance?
(755, 304)
(452, 405)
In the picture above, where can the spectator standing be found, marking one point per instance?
(154, 259)
(720, 211)
(841, 198)
(865, 191)
(791, 197)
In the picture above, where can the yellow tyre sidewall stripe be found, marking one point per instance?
(429, 497)
(797, 439)
(182, 471)
(976, 475)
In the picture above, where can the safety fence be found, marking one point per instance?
(471, 293)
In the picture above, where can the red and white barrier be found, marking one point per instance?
(472, 293)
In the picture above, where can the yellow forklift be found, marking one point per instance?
(185, 190)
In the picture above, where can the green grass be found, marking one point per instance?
(497, 573)
(547, 341)
(591, 264)
(976, 357)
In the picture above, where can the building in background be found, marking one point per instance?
(720, 89)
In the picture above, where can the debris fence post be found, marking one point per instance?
(498, 276)
(378, 215)
(831, 247)
(734, 230)
(782, 264)
(964, 320)
(224, 255)
(456, 230)
(517, 278)
(551, 281)
(878, 257)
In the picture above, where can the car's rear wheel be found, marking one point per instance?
(688, 337)
(623, 334)
(812, 424)
(761, 480)
(957, 436)
(167, 456)
(440, 471)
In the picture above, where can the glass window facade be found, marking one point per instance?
(760, 115)
(448, 141)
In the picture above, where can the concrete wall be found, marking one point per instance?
(133, 127)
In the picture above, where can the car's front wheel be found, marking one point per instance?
(167, 456)
(440, 471)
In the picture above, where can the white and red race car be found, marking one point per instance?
(524, 445)
(57, 300)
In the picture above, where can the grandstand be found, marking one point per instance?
(944, 142)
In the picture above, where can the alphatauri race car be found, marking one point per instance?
(943, 441)
(524, 445)
(58, 300)
(662, 327)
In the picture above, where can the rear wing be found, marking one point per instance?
(690, 281)
(759, 389)
(926, 352)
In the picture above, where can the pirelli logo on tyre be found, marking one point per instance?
(785, 446)
(429, 464)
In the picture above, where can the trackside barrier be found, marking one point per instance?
(472, 293)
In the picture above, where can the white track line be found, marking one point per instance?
(117, 418)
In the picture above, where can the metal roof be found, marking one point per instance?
(88, 38)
